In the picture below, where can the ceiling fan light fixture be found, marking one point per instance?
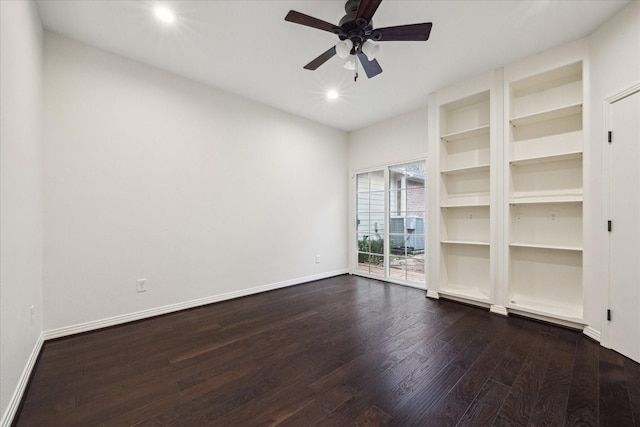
(370, 49)
(343, 48)
(351, 63)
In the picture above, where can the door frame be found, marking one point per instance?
(352, 254)
(608, 105)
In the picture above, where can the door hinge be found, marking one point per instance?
(609, 136)
(609, 226)
(608, 314)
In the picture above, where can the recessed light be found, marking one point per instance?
(164, 14)
(332, 94)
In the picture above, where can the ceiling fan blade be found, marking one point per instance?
(411, 32)
(310, 21)
(313, 65)
(371, 68)
(367, 8)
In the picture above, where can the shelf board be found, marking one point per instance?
(485, 205)
(560, 141)
(564, 74)
(467, 292)
(470, 169)
(555, 113)
(546, 159)
(464, 205)
(465, 134)
(559, 197)
(570, 313)
(464, 242)
(546, 246)
(479, 198)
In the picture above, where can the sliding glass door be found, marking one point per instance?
(391, 223)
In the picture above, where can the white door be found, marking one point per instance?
(624, 327)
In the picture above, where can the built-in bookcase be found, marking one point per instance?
(464, 168)
(507, 161)
(544, 172)
(507, 175)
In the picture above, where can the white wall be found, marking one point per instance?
(395, 140)
(20, 195)
(203, 193)
(615, 66)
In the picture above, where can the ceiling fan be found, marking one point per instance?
(357, 35)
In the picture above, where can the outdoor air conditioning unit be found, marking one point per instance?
(412, 229)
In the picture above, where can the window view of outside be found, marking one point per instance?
(407, 222)
(404, 217)
(370, 222)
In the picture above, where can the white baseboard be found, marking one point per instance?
(498, 309)
(432, 294)
(591, 333)
(144, 314)
(14, 403)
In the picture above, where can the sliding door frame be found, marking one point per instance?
(353, 232)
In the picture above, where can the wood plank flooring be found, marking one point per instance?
(337, 352)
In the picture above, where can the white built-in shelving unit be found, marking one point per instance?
(544, 173)
(507, 175)
(464, 181)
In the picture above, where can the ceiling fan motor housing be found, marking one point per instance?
(357, 30)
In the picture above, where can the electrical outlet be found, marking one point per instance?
(553, 216)
(317, 259)
(141, 285)
(470, 215)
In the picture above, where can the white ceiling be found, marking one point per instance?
(245, 47)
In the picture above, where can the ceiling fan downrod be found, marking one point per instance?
(357, 29)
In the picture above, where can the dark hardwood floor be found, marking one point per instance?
(337, 352)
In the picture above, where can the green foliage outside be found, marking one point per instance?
(372, 246)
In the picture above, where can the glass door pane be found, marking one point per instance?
(407, 222)
(370, 222)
